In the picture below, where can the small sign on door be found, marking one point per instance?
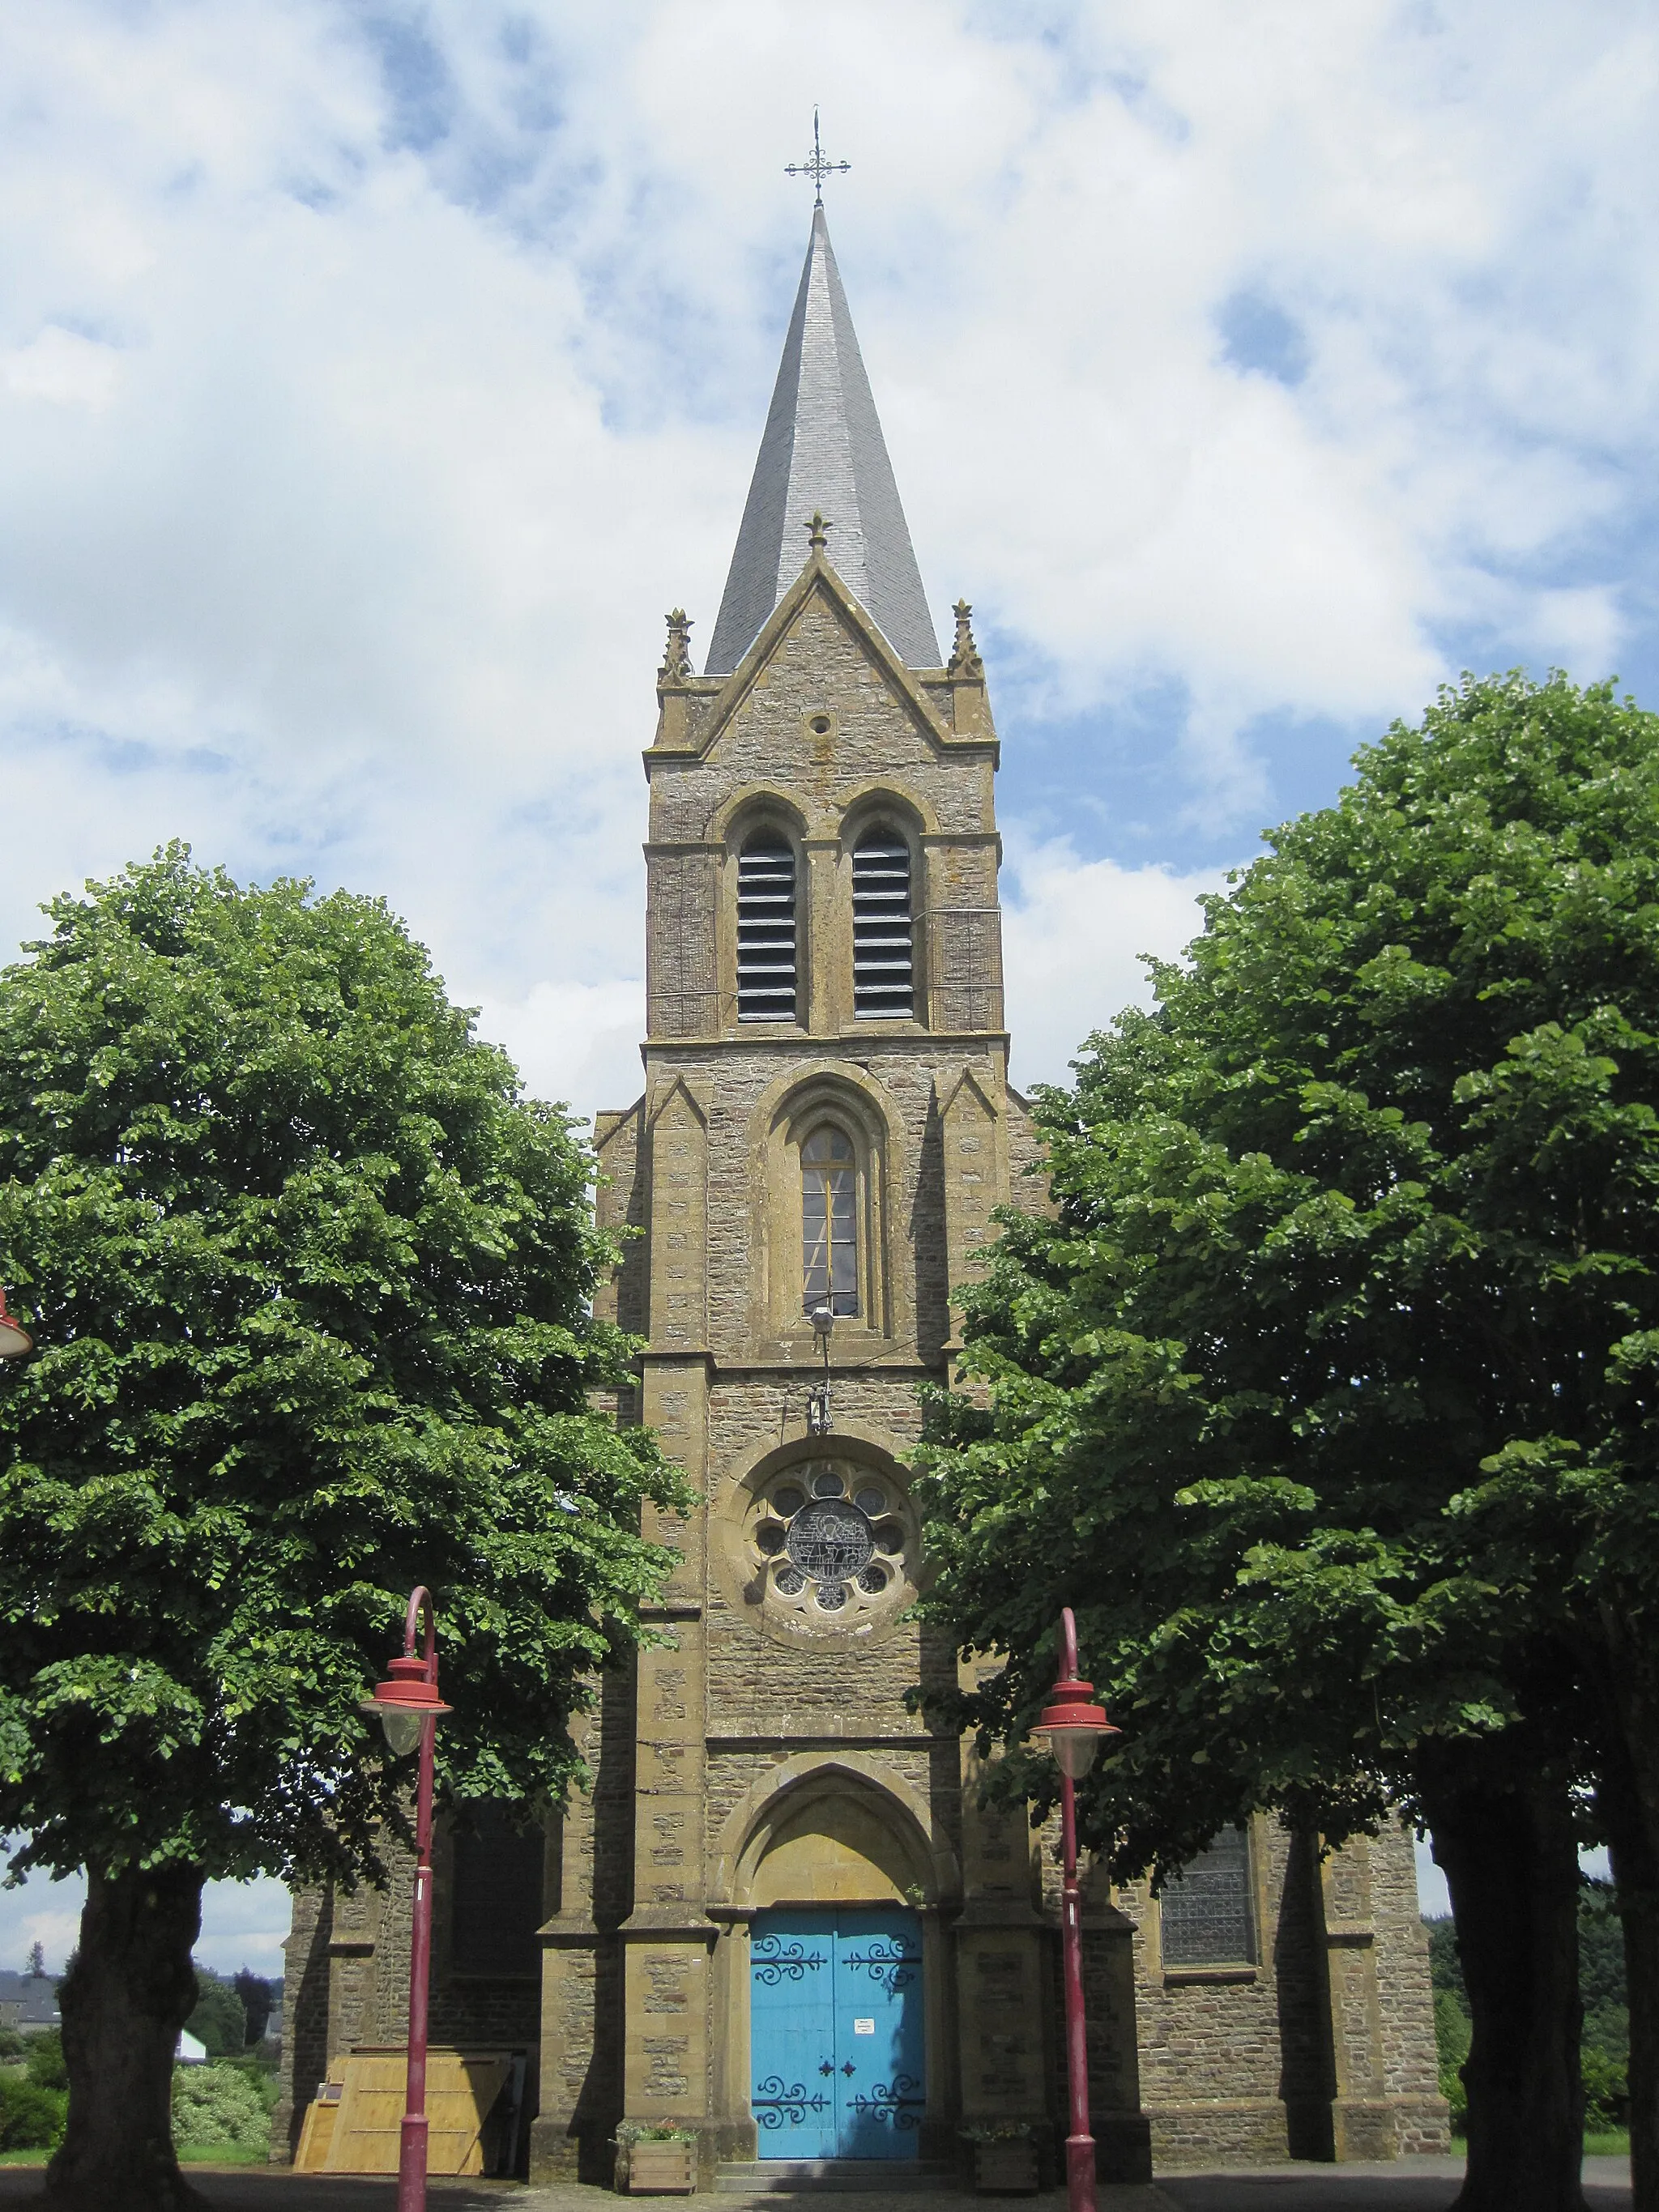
(864, 2027)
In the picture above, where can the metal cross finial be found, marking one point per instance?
(818, 168)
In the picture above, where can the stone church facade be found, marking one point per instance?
(781, 1875)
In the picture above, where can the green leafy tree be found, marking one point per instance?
(218, 2022)
(1329, 1395)
(1452, 2036)
(310, 1282)
(48, 2068)
(257, 1995)
(31, 2117)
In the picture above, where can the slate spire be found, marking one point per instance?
(822, 449)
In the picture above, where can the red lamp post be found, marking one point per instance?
(409, 1708)
(16, 1343)
(1073, 1728)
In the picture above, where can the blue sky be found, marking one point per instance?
(372, 378)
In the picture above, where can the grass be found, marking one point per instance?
(189, 2154)
(1615, 2143)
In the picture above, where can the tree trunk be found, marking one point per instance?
(1505, 1837)
(1627, 1798)
(129, 1991)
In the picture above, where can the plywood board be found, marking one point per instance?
(461, 2086)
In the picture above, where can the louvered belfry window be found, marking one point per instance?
(766, 930)
(829, 1243)
(883, 932)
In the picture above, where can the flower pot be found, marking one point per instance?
(1005, 2169)
(662, 2169)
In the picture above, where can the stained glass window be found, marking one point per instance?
(829, 1177)
(1204, 1912)
(830, 1539)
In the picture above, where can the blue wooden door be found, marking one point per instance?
(791, 2032)
(879, 2071)
(836, 2028)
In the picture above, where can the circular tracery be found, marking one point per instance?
(828, 1545)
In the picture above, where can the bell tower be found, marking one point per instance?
(779, 1926)
(794, 1859)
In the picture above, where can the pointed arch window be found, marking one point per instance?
(829, 1205)
(884, 930)
(766, 929)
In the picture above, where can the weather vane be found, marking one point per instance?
(818, 168)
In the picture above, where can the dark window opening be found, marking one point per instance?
(884, 940)
(766, 930)
(1204, 1912)
(498, 1895)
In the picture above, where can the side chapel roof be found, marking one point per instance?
(822, 449)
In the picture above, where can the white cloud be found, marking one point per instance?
(1073, 931)
(65, 368)
(370, 384)
(244, 1923)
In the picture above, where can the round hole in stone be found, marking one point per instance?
(889, 1538)
(787, 1500)
(872, 1501)
(873, 1581)
(789, 1580)
(819, 726)
(770, 1537)
(829, 1484)
(832, 1597)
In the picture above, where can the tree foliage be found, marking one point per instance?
(1327, 1393)
(311, 1281)
(219, 2022)
(219, 2106)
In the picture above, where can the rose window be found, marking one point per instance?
(830, 1543)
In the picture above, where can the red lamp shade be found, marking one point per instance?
(406, 1699)
(15, 1342)
(1073, 1726)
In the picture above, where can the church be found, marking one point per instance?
(778, 1923)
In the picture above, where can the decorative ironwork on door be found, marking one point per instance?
(836, 2024)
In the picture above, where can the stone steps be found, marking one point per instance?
(885, 2177)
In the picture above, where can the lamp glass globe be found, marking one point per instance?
(402, 1728)
(1075, 1750)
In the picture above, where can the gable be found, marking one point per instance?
(820, 653)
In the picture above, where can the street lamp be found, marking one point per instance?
(409, 1708)
(15, 1342)
(1073, 1728)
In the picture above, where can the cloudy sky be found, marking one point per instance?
(374, 377)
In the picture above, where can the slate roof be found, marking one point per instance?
(823, 448)
(28, 1999)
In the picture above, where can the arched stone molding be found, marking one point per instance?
(733, 1493)
(753, 803)
(793, 1787)
(862, 802)
(786, 1114)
